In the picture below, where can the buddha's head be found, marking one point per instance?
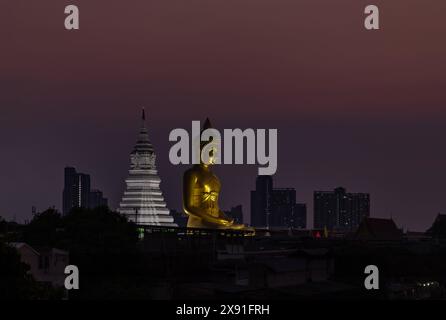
(209, 149)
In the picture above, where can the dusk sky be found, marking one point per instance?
(361, 109)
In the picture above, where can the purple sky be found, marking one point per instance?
(363, 110)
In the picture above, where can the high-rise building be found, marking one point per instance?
(143, 200)
(300, 216)
(261, 201)
(97, 199)
(285, 212)
(339, 210)
(276, 207)
(282, 206)
(77, 192)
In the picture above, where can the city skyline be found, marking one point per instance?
(227, 203)
(358, 109)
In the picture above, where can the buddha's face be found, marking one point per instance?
(209, 152)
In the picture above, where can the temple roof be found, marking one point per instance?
(438, 228)
(378, 229)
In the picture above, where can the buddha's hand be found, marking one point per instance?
(228, 221)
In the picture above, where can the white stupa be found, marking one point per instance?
(143, 201)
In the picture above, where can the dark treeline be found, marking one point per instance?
(101, 243)
(114, 264)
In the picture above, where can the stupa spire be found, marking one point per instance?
(143, 201)
(143, 117)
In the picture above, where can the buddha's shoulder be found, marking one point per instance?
(192, 172)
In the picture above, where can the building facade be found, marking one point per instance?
(45, 264)
(97, 199)
(285, 212)
(276, 207)
(339, 210)
(261, 201)
(143, 201)
(77, 192)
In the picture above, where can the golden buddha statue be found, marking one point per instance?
(201, 188)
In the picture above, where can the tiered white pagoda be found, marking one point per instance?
(143, 201)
